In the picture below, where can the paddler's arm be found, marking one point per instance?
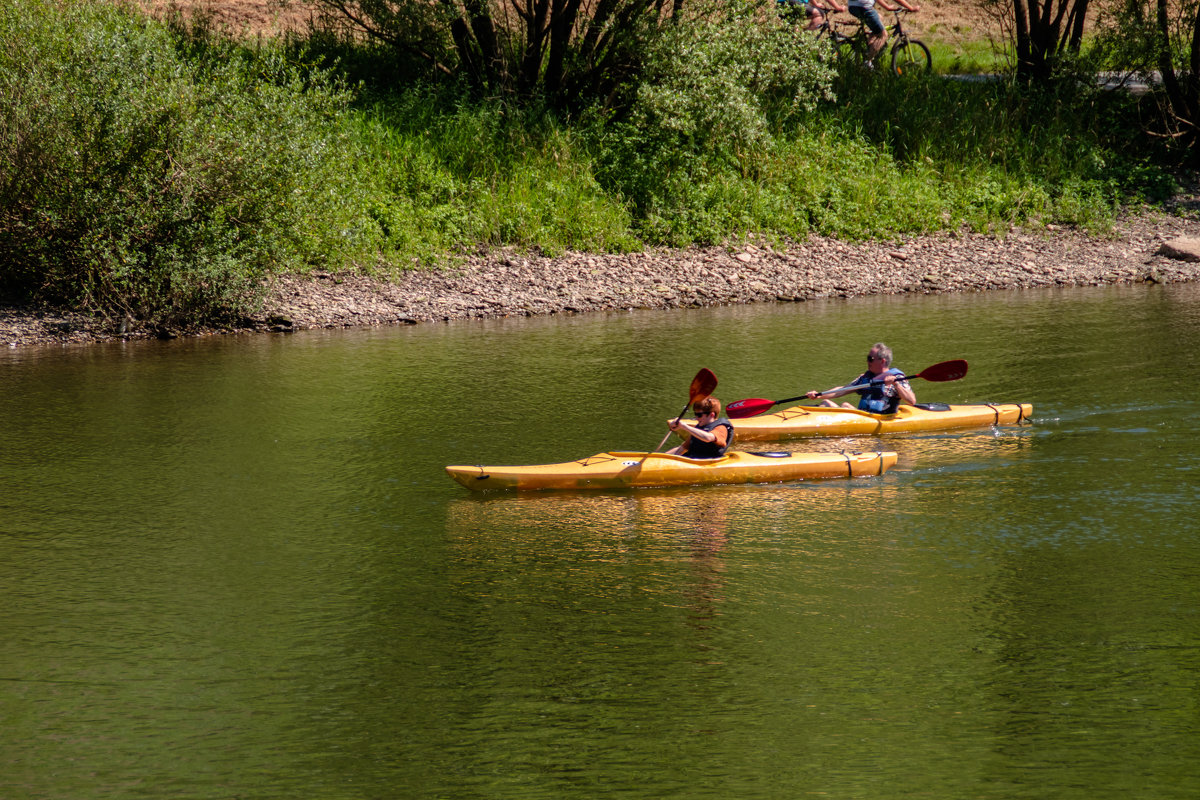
(856, 385)
(718, 434)
(907, 395)
(681, 430)
(838, 391)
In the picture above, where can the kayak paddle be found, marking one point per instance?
(938, 373)
(702, 386)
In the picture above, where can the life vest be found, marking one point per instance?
(878, 399)
(697, 448)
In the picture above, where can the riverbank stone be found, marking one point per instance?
(1147, 247)
(1183, 248)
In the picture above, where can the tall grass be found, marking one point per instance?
(966, 57)
(438, 177)
(885, 157)
(998, 156)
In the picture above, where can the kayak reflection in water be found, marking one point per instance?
(886, 388)
(710, 437)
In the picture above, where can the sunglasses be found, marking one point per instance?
(700, 413)
(871, 359)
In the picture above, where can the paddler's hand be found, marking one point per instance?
(685, 430)
(813, 395)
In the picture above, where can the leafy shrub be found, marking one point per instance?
(136, 181)
(716, 90)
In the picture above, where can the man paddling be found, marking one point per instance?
(710, 437)
(884, 386)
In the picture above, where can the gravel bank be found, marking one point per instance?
(1143, 248)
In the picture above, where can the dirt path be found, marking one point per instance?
(944, 21)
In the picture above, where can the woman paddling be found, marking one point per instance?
(709, 437)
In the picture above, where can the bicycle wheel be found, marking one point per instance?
(911, 57)
(851, 50)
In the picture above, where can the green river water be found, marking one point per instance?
(234, 568)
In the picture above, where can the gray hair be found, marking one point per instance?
(882, 350)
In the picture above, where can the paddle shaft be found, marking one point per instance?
(940, 372)
(841, 390)
(669, 432)
(702, 386)
(849, 388)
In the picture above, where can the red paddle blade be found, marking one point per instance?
(702, 385)
(750, 407)
(945, 371)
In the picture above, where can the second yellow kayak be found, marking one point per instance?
(799, 421)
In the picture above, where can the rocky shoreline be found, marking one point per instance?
(1146, 247)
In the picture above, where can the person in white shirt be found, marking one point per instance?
(876, 32)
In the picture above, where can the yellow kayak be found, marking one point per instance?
(800, 421)
(621, 470)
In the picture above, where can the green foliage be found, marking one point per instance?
(892, 156)
(442, 177)
(971, 57)
(716, 90)
(1006, 154)
(1160, 44)
(136, 181)
(718, 83)
(164, 171)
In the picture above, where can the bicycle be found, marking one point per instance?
(909, 56)
(840, 42)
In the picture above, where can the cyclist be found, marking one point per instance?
(864, 10)
(813, 9)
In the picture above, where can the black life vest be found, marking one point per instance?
(701, 449)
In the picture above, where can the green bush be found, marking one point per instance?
(715, 93)
(137, 181)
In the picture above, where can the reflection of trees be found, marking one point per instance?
(619, 543)
(709, 523)
(1086, 656)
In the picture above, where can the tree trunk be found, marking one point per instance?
(562, 25)
(535, 40)
(491, 62)
(1182, 94)
(1045, 29)
(1024, 56)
